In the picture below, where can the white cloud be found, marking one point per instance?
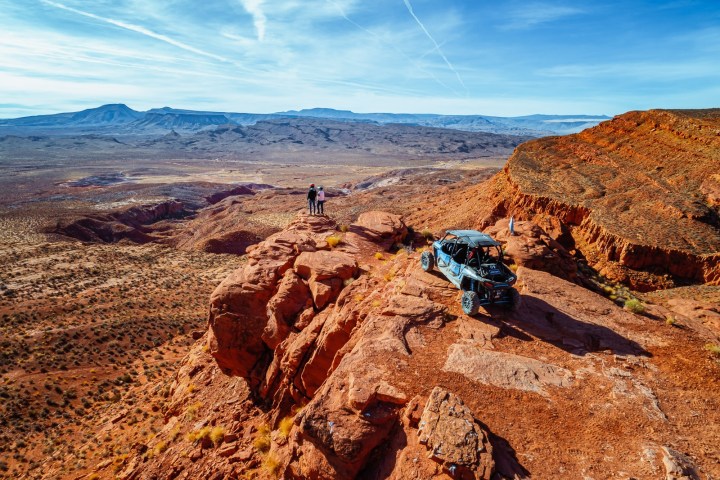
(137, 29)
(644, 71)
(530, 15)
(254, 8)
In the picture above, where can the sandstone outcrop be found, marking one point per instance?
(360, 402)
(636, 196)
(134, 223)
(238, 314)
(266, 316)
(533, 248)
(346, 388)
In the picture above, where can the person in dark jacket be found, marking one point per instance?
(311, 196)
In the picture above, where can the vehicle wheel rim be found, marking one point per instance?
(467, 303)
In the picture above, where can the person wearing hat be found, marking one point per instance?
(321, 201)
(312, 194)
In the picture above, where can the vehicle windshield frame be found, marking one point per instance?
(461, 239)
(488, 254)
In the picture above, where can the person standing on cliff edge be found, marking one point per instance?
(312, 194)
(321, 201)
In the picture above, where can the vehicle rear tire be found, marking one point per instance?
(470, 302)
(515, 299)
(427, 261)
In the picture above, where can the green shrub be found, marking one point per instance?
(634, 305)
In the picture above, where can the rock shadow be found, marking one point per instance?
(366, 233)
(506, 463)
(542, 320)
(383, 459)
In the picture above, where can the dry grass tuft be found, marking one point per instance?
(198, 435)
(333, 241)
(272, 465)
(217, 434)
(159, 448)
(285, 426)
(262, 439)
(192, 410)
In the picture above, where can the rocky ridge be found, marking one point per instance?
(636, 196)
(351, 362)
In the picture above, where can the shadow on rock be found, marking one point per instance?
(545, 321)
(506, 463)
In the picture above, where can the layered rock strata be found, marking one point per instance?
(636, 196)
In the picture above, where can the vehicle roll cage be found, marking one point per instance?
(462, 241)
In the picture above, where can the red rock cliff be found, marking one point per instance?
(637, 195)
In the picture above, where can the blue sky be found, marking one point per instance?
(502, 57)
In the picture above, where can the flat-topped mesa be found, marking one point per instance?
(639, 195)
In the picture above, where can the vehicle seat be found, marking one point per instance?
(474, 260)
(460, 254)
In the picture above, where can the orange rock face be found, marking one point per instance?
(238, 313)
(265, 317)
(532, 247)
(369, 385)
(636, 195)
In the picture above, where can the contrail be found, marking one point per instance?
(254, 8)
(437, 46)
(137, 29)
(391, 45)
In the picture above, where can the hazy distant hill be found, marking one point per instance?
(181, 121)
(119, 119)
(296, 139)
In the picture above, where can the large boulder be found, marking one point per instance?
(381, 227)
(532, 247)
(454, 438)
(325, 272)
(324, 264)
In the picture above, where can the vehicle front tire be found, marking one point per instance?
(515, 299)
(427, 261)
(470, 302)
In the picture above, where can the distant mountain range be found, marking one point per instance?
(119, 119)
(275, 139)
